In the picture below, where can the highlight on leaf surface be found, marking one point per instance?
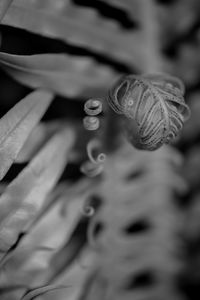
(37, 139)
(18, 123)
(4, 7)
(153, 108)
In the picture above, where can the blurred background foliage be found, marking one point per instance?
(143, 241)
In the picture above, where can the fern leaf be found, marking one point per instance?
(18, 123)
(80, 26)
(25, 196)
(30, 295)
(62, 74)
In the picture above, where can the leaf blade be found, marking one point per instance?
(34, 293)
(80, 26)
(17, 124)
(63, 74)
(25, 196)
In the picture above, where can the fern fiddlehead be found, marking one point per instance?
(153, 108)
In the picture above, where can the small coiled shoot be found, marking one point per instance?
(94, 166)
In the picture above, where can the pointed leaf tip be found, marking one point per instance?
(18, 123)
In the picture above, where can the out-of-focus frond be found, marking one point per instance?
(61, 74)
(80, 26)
(136, 231)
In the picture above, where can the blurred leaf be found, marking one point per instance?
(10, 288)
(62, 74)
(17, 259)
(18, 123)
(81, 26)
(4, 7)
(34, 293)
(75, 275)
(72, 248)
(25, 196)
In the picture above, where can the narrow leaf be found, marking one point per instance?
(25, 196)
(32, 294)
(18, 123)
(19, 257)
(65, 75)
(62, 259)
(10, 288)
(4, 7)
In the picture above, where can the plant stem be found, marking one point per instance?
(112, 131)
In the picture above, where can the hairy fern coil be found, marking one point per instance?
(153, 108)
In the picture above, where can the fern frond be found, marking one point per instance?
(80, 26)
(60, 73)
(18, 123)
(25, 196)
(137, 244)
